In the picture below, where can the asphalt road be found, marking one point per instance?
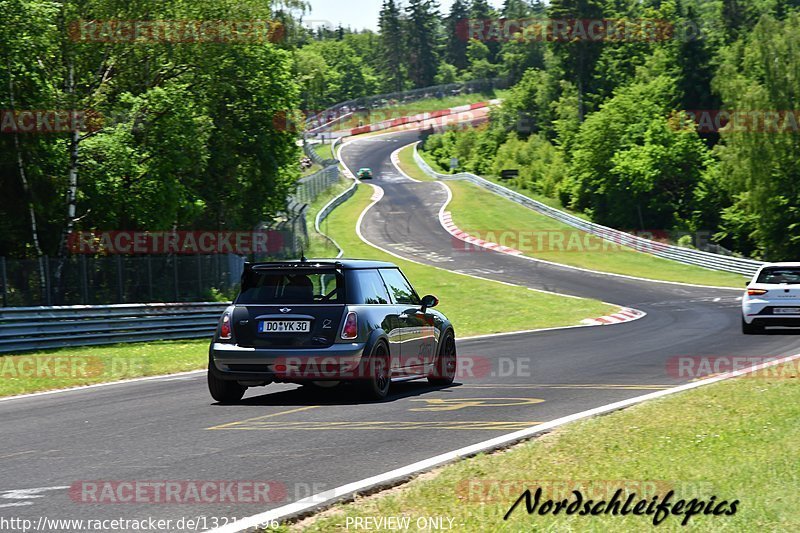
(305, 441)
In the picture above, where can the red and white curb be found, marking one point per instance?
(625, 315)
(462, 113)
(455, 231)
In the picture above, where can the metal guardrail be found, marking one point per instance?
(325, 211)
(309, 187)
(334, 113)
(35, 328)
(667, 251)
(333, 204)
(312, 154)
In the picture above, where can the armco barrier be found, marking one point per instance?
(310, 187)
(333, 204)
(325, 211)
(308, 149)
(36, 328)
(326, 119)
(676, 253)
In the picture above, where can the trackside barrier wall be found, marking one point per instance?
(326, 119)
(38, 328)
(676, 253)
(333, 204)
(312, 154)
(310, 187)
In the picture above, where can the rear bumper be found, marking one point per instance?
(774, 320)
(336, 362)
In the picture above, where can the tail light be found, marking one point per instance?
(756, 292)
(225, 327)
(350, 329)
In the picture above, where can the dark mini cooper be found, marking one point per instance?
(327, 321)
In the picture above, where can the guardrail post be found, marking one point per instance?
(46, 288)
(120, 290)
(199, 275)
(5, 280)
(84, 281)
(175, 276)
(149, 277)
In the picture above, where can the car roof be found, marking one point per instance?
(317, 263)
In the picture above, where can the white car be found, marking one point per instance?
(772, 298)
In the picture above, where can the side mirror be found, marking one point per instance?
(429, 301)
(746, 283)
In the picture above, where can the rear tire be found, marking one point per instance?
(444, 371)
(376, 386)
(224, 391)
(751, 329)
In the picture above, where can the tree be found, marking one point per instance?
(481, 10)
(392, 44)
(169, 124)
(422, 29)
(515, 9)
(760, 149)
(577, 54)
(634, 167)
(455, 24)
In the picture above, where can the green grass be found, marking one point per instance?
(406, 162)
(738, 439)
(412, 108)
(314, 168)
(510, 184)
(72, 367)
(493, 218)
(435, 104)
(470, 303)
(323, 150)
(318, 245)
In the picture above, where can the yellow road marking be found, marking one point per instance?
(615, 386)
(454, 404)
(387, 425)
(248, 420)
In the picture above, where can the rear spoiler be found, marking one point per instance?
(300, 265)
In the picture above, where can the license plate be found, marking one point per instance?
(786, 311)
(284, 326)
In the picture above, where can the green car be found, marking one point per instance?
(365, 173)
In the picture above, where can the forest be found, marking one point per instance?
(691, 127)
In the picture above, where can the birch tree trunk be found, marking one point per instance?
(72, 193)
(26, 189)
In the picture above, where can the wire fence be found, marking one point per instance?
(118, 278)
(310, 187)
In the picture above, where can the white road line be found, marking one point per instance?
(25, 495)
(394, 477)
(447, 224)
(98, 385)
(378, 195)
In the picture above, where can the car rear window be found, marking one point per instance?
(779, 275)
(291, 287)
(399, 288)
(371, 289)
